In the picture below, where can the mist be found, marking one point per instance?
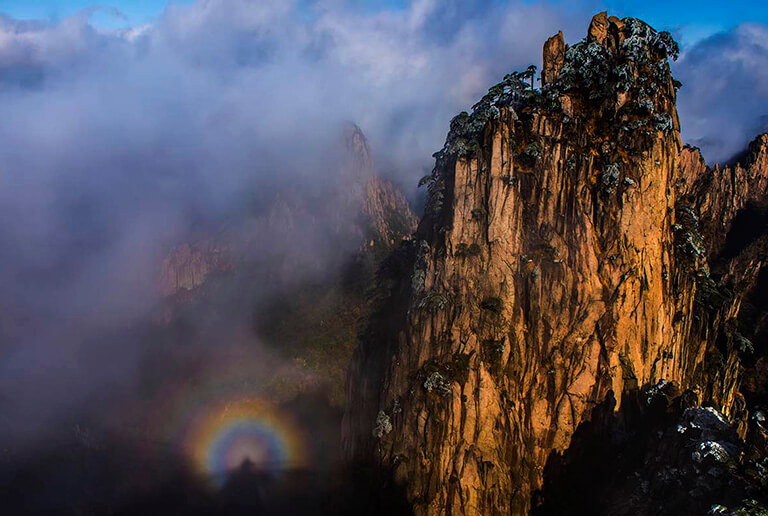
(117, 145)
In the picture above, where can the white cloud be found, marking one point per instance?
(724, 99)
(109, 140)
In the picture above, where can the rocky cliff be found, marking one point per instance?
(188, 265)
(719, 194)
(561, 263)
(368, 213)
(294, 273)
(722, 238)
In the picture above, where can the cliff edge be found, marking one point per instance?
(561, 263)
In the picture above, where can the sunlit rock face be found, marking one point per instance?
(722, 236)
(549, 275)
(554, 58)
(720, 193)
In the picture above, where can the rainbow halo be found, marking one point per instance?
(226, 435)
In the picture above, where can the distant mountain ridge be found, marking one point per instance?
(297, 271)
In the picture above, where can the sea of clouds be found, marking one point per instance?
(113, 143)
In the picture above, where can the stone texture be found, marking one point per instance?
(187, 266)
(720, 193)
(729, 247)
(658, 456)
(553, 58)
(598, 28)
(692, 169)
(554, 270)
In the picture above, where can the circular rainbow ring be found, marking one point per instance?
(228, 434)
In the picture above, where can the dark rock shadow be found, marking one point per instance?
(657, 455)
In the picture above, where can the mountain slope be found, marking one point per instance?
(550, 275)
(294, 275)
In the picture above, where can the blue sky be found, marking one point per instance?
(137, 12)
(448, 51)
(694, 19)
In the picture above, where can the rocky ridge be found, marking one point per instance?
(383, 219)
(295, 273)
(562, 262)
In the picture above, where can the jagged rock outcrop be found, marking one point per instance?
(722, 229)
(719, 194)
(187, 266)
(554, 58)
(386, 218)
(550, 273)
(659, 455)
(294, 269)
(369, 211)
(598, 29)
